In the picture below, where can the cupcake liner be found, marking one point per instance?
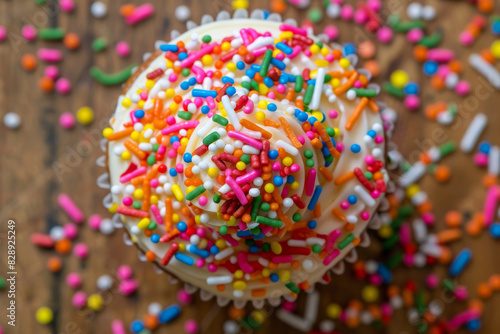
(103, 180)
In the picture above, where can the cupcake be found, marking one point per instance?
(246, 158)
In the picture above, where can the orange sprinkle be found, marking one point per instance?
(326, 138)
(146, 188)
(150, 256)
(258, 293)
(356, 113)
(120, 134)
(337, 213)
(289, 132)
(138, 180)
(168, 214)
(343, 178)
(316, 143)
(326, 173)
(254, 127)
(346, 85)
(135, 149)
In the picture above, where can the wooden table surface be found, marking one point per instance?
(30, 181)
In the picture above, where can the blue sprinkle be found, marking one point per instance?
(155, 238)
(430, 67)
(273, 154)
(188, 157)
(253, 249)
(302, 116)
(272, 107)
(183, 55)
(314, 198)
(412, 88)
(243, 234)
(312, 120)
(266, 14)
(240, 65)
(200, 252)
(290, 179)
(283, 79)
(268, 82)
(214, 250)
(136, 326)
(227, 79)
(285, 48)
(139, 113)
(384, 272)
(172, 172)
(186, 259)
(181, 226)
(355, 148)
(349, 49)
(278, 181)
(173, 139)
(460, 261)
(250, 73)
(205, 110)
(203, 93)
(192, 81)
(325, 150)
(185, 85)
(372, 133)
(473, 325)
(255, 67)
(169, 47)
(278, 63)
(495, 230)
(352, 199)
(312, 224)
(230, 91)
(274, 277)
(484, 147)
(495, 28)
(169, 314)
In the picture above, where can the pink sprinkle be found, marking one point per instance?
(71, 231)
(310, 182)
(50, 55)
(63, 86)
(466, 38)
(172, 77)
(191, 327)
(124, 272)
(347, 12)
(203, 200)
(94, 222)
(140, 14)
(127, 177)
(179, 126)
(156, 214)
(29, 32)
(79, 299)
(122, 49)
(237, 189)
(67, 5)
(411, 102)
(361, 16)
(184, 297)
(81, 250)
(128, 287)
(67, 120)
(246, 139)
(200, 262)
(212, 267)
(414, 35)
(117, 327)
(365, 215)
(385, 34)
(462, 88)
(70, 207)
(301, 139)
(490, 204)
(127, 201)
(333, 114)
(74, 280)
(295, 30)
(344, 205)
(52, 72)
(3, 33)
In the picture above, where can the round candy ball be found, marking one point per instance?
(412, 102)
(44, 315)
(385, 34)
(94, 222)
(104, 282)
(98, 9)
(67, 120)
(81, 250)
(191, 327)
(495, 230)
(79, 299)
(85, 115)
(182, 13)
(122, 49)
(63, 86)
(124, 272)
(74, 280)
(12, 120)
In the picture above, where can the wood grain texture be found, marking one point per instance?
(29, 182)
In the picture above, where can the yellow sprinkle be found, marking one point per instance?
(221, 244)
(153, 199)
(284, 275)
(276, 247)
(324, 51)
(335, 82)
(385, 231)
(319, 115)
(176, 218)
(239, 285)
(269, 188)
(140, 104)
(262, 104)
(337, 131)
(106, 132)
(263, 89)
(295, 185)
(176, 189)
(240, 165)
(231, 67)
(126, 102)
(184, 141)
(238, 274)
(113, 207)
(286, 35)
(182, 247)
(189, 189)
(126, 155)
(412, 190)
(344, 63)
(150, 84)
(173, 107)
(94, 302)
(138, 193)
(143, 223)
(213, 172)
(170, 93)
(321, 62)
(226, 46)
(266, 272)
(260, 115)
(207, 60)
(287, 161)
(314, 49)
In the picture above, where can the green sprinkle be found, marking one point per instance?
(195, 193)
(296, 217)
(185, 115)
(111, 79)
(310, 162)
(347, 240)
(266, 247)
(432, 168)
(309, 94)
(249, 242)
(447, 148)
(292, 287)
(405, 211)
(3, 283)
(396, 223)
(330, 131)
(362, 92)
(391, 241)
(316, 248)
(255, 230)
(409, 25)
(420, 302)
(255, 85)
(246, 85)
(220, 120)
(368, 175)
(448, 284)
(395, 260)
(432, 40)
(393, 90)
(212, 137)
(156, 147)
(223, 230)
(268, 221)
(329, 159)
(186, 72)
(137, 205)
(255, 206)
(315, 15)
(99, 44)
(217, 198)
(299, 82)
(51, 34)
(264, 67)
(151, 159)
(308, 154)
(265, 207)
(206, 39)
(245, 158)
(328, 78)
(152, 225)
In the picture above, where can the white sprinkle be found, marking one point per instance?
(318, 88)
(364, 195)
(202, 131)
(486, 69)
(12, 120)
(494, 161)
(287, 147)
(260, 42)
(473, 132)
(235, 121)
(247, 149)
(104, 282)
(224, 188)
(98, 9)
(215, 280)
(413, 175)
(182, 13)
(224, 253)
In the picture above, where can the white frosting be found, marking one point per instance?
(331, 197)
